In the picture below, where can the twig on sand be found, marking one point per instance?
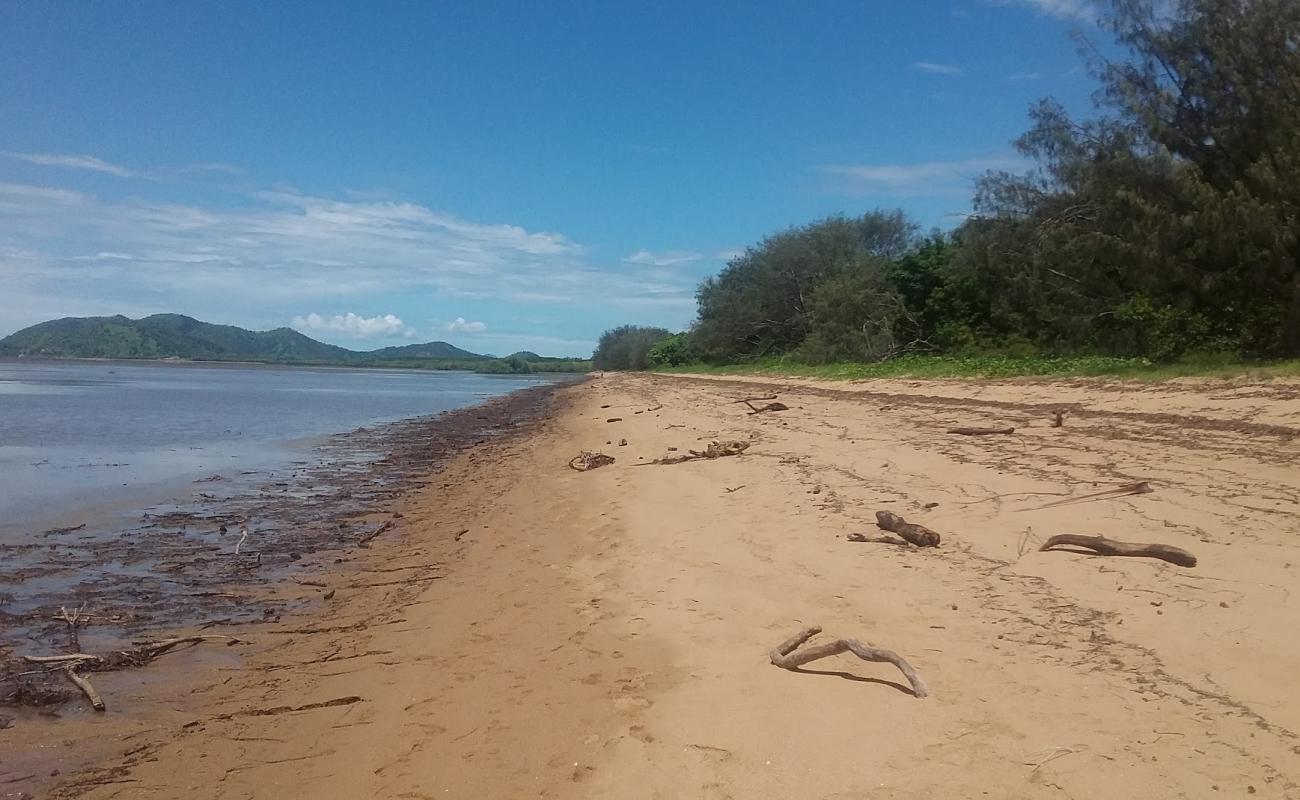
(243, 537)
(714, 450)
(1141, 487)
(787, 655)
(1102, 546)
(365, 540)
(982, 431)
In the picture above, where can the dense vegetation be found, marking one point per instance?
(1166, 225)
(626, 347)
(176, 336)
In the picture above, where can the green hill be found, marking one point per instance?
(439, 350)
(178, 336)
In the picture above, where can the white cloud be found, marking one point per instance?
(936, 69)
(354, 325)
(459, 325)
(923, 178)
(667, 258)
(1063, 9)
(71, 162)
(269, 252)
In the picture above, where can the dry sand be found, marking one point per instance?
(540, 632)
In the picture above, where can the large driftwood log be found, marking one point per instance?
(918, 535)
(982, 431)
(787, 655)
(1102, 546)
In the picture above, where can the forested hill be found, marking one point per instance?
(178, 336)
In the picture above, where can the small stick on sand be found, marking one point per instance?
(785, 656)
(982, 431)
(918, 535)
(365, 540)
(1102, 546)
(1141, 487)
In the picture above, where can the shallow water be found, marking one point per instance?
(75, 436)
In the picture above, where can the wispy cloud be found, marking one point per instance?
(666, 258)
(459, 325)
(1063, 9)
(71, 162)
(923, 178)
(936, 69)
(355, 325)
(264, 250)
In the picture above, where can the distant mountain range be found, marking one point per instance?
(175, 336)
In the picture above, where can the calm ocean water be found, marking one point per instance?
(77, 435)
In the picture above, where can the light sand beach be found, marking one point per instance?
(534, 631)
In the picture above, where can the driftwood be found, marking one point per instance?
(73, 665)
(918, 535)
(365, 540)
(862, 537)
(1141, 487)
(787, 655)
(586, 460)
(1102, 546)
(714, 450)
(982, 431)
(1058, 419)
(769, 407)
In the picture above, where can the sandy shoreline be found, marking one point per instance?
(536, 631)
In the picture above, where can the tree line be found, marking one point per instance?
(1166, 224)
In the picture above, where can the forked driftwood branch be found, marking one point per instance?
(586, 461)
(982, 431)
(1102, 546)
(73, 665)
(787, 655)
(714, 450)
(918, 535)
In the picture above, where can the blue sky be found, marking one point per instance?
(501, 176)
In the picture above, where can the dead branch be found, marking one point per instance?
(862, 537)
(714, 450)
(73, 619)
(243, 537)
(786, 657)
(74, 664)
(365, 540)
(769, 407)
(982, 431)
(83, 683)
(1102, 546)
(1141, 487)
(586, 460)
(918, 535)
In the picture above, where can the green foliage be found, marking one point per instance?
(1220, 365)
(761, 303)
(510, 365)
(626, 347)
(674, 351)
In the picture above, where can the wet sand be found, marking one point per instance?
(530, 630)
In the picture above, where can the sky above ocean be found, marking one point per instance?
(503, 176)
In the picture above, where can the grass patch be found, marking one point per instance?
(1210, 365)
